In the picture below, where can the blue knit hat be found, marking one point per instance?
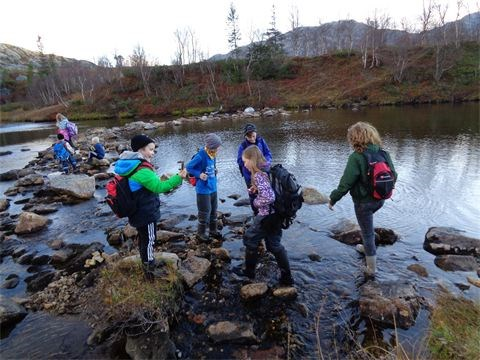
(212, 141)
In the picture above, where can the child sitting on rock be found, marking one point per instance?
(64, 153)
(96, 150)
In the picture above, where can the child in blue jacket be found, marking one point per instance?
(252, 138)
(96, 150)
(203, 167)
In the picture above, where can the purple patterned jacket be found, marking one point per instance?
(265, 194)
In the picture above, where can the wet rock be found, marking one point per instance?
(165, 236)
(473, 281)
(170, 223)
(221, 253)
(62, 256)
(22, 201)
(446, 240)
(79, 186)
(242, 202)
(11, 281)
(228, 331)
(16, 174)
(314, 257)
(129, 231)
(462, 287)
(389, 303)
(253, 291)
(234, 196)
(312, 196)
(25, 258)
(102, 176)
(193, 269)
(19, 251)
(100, 162)
(78, 262)
(167, 257)
(4, 204)
(3, 153)
(30, 180)
(115, 238)
(456, 262)
(382, 237)
(285, 292)
(39, 281)
(151, 346)
(10, 312)
(29, 223)
(41, 259)
(237, 220)
(7, 223)
(56, 244)
(418, 269)
(45, 209)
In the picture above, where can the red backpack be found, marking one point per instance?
(380, 176)
(119, 195)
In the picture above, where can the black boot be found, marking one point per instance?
(201, 233)
(152, 270)
(214, 233)
(251, 258)
(285, 273)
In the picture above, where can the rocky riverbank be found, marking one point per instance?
(199, 297)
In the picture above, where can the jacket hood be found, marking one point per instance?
(373, 147)
(128, 162)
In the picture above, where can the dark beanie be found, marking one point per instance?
(249, 128)
(212, 141)
(139, 141)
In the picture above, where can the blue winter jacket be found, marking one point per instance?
(262, 145)
(100, 150)
(201, 162)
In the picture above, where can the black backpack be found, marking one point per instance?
(119, 196)
(288, 194)
(380, 177)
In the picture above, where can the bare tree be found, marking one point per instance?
(426, 19)
(460, 6)
(400, 52)
(444, 56)
(138, 61)
(295, 31)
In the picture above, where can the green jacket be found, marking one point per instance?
(354, 178)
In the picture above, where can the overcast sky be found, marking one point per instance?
(88, 29)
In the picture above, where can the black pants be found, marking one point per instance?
(146, 238)
(207, 208)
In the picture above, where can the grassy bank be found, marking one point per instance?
(455, 328)
(334, 80)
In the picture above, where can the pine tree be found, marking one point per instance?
(234, 35)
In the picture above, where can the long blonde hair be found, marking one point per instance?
(361, 134)
(256, 158)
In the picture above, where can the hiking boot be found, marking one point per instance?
(152, 270)
(214, 233)
(360, 248)
(286, 279)
(242, 272)
(201, 233)
(284, 265)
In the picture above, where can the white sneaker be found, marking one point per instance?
(360, 248)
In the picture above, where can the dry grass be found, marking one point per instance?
(127, 296)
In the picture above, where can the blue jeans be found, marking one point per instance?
(65, 162)
(364, 213)
(257, 232)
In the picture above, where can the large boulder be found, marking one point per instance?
(193, 269)
(232, 332)
(165, 235)
(29, 223)
(253, 291)
(30, 180)
(447, 240)
(456, 262)
(382, 237)
(4, 204)
(156, 345)
(391, 303)
(10, 312)
(16, 174)
(79, 186)
(312, 196)
(167, 257)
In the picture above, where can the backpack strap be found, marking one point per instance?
(144, 164)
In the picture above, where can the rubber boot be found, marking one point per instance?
(285, 273)
(371, 265)
(248, 270)
(214, 233)
(201, 233)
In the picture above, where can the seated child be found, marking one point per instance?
(64, 152)
(96, 150)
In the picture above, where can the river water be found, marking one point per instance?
(436, 152)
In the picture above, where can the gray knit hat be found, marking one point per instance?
(212, 141)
